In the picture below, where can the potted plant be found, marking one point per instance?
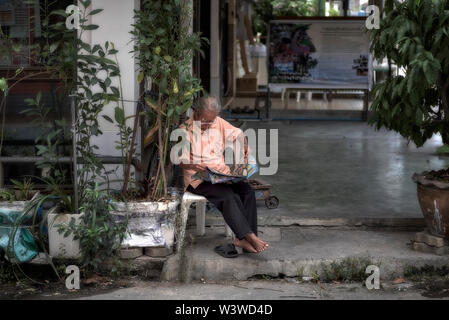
(164, 48)
(17, 197)
(414, 35)
(85, 72)
(90, 66)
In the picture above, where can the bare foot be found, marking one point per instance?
(245, 245)
(256, 242)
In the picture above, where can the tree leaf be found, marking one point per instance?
(90, 27)
(140, 77)
(107, 118)
(3, 84)
(93, 12)
(53, 47)
(119, 115)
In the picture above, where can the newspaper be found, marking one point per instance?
(239, 173)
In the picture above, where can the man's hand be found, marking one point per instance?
(196, 166)
(199, 167)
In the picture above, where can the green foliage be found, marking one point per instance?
(414, 35)
(425, 272)
(443, 149)
(86, 72)
(266, 10)
(7, 195)
(349, 269)
(24, 189)
(99, 235)
(299, 8)
(3, 84)
(6, 271)
(164, 48)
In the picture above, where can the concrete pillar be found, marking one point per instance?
(115, 23)
(214, 48)
(232, 25)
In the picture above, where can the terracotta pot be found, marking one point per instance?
(433, 197)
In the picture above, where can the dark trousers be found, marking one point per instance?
(237, 203)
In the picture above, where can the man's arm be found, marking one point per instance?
(235, 134)
(197, 167)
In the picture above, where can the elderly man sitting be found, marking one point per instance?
(236, 201)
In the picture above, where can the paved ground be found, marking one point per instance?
(341, 169)
(300, 251)
(256, 290)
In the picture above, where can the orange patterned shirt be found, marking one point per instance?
(213, 144)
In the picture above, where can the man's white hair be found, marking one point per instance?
(209, 104)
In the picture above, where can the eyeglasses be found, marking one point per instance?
(208, 122)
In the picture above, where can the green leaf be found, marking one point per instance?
(119, 115)
(16, 47)
(107, 118)
(3, 84)
(115, 91)
(93, 12)
(59, 13)
(443, 150)
(179, 110)
(53, 47)
(419, 116)
(90, 27)
(140, 77)
(86, 3)
(18, 71)
(163, 85)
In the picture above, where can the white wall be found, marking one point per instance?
(115, 23)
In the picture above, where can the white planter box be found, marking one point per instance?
(151, 224)
(14, 205)
(61, 247)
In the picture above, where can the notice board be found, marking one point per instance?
(321, 52)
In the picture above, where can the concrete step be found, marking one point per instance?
(214, 218)
(301, 252)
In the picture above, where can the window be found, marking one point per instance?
(22, 27)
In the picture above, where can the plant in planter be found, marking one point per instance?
(414, 35)
(18, 197)
(99, 235)
(80, 67)
(164, 48)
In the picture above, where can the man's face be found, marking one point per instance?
(206, 117)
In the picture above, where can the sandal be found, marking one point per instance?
(227, 250)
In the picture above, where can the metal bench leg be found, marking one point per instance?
(200, 218)
(287, 91)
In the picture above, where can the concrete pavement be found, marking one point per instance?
(345, 170)
(260, 290)
(297, 251)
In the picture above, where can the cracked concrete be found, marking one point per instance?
(298, 250)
